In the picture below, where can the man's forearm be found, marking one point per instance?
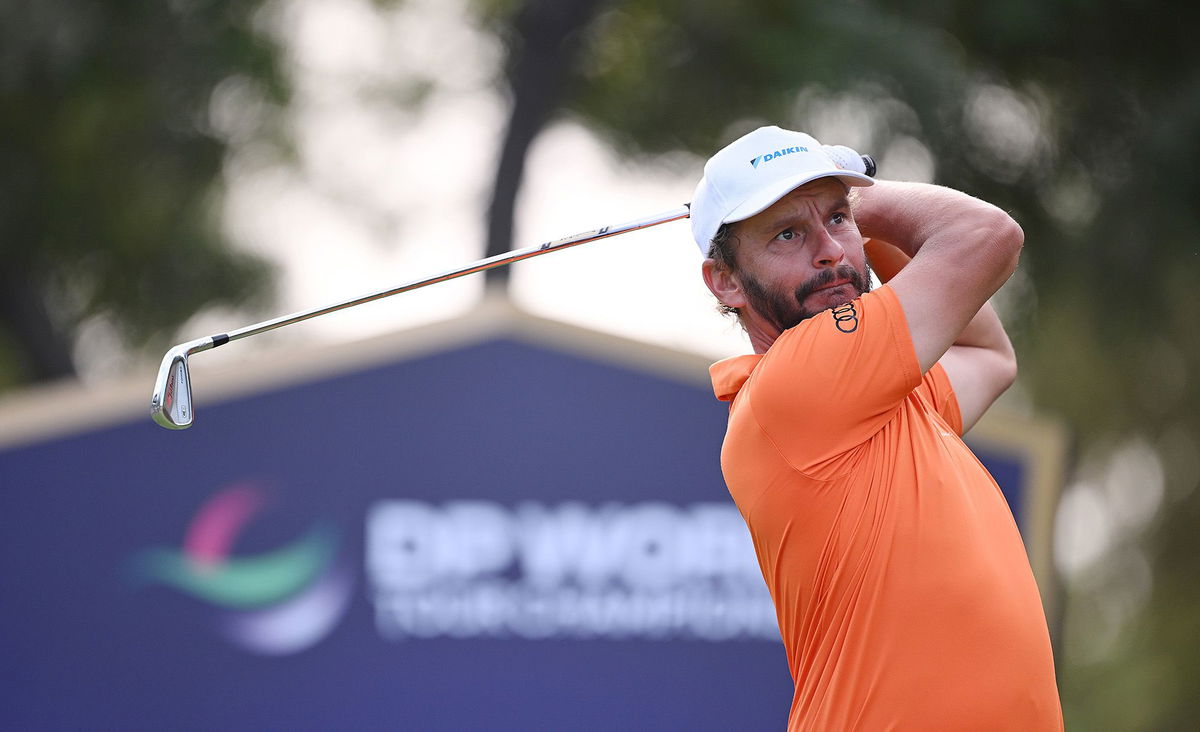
(984, 331)
(913, 215)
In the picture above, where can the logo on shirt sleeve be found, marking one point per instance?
(845, 318)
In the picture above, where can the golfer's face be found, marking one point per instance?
(802, 255)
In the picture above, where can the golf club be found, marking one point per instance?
(171, 402)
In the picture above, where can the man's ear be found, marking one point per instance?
(723, 284)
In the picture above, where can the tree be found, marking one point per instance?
(110, 170)
(543, 49)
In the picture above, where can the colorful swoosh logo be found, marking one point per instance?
(277, 602)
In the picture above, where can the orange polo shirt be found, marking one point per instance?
(903, 592)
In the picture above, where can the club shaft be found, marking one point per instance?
(481, 265)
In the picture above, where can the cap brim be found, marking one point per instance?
(765, 198)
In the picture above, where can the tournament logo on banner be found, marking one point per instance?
(273, 603)
(477, 569)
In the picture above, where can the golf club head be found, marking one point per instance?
(171, 402)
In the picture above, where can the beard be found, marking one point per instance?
(786, 310)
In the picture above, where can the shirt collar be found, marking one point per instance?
(730, 374)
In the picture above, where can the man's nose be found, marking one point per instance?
(827, 252)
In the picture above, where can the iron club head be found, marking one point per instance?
(171, 402)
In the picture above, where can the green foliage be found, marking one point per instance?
(110, 166)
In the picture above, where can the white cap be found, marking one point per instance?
(758, 169)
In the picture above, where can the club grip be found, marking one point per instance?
(869, 164)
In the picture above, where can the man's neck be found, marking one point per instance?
(761, 338)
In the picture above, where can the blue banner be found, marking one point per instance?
(499, 536)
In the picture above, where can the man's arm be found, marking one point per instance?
(962, 250)
(981, 363)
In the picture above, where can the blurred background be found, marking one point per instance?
(173, 169)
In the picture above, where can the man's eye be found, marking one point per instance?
(839, 218)
(786, 235)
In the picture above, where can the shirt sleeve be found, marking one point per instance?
(829, 384)
(936, 389)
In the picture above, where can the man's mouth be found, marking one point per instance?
(831, 285)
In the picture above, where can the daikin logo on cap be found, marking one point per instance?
(780, 161)
(776, 154)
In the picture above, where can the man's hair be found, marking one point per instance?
(721, 251)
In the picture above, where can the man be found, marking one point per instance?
(903, 592)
